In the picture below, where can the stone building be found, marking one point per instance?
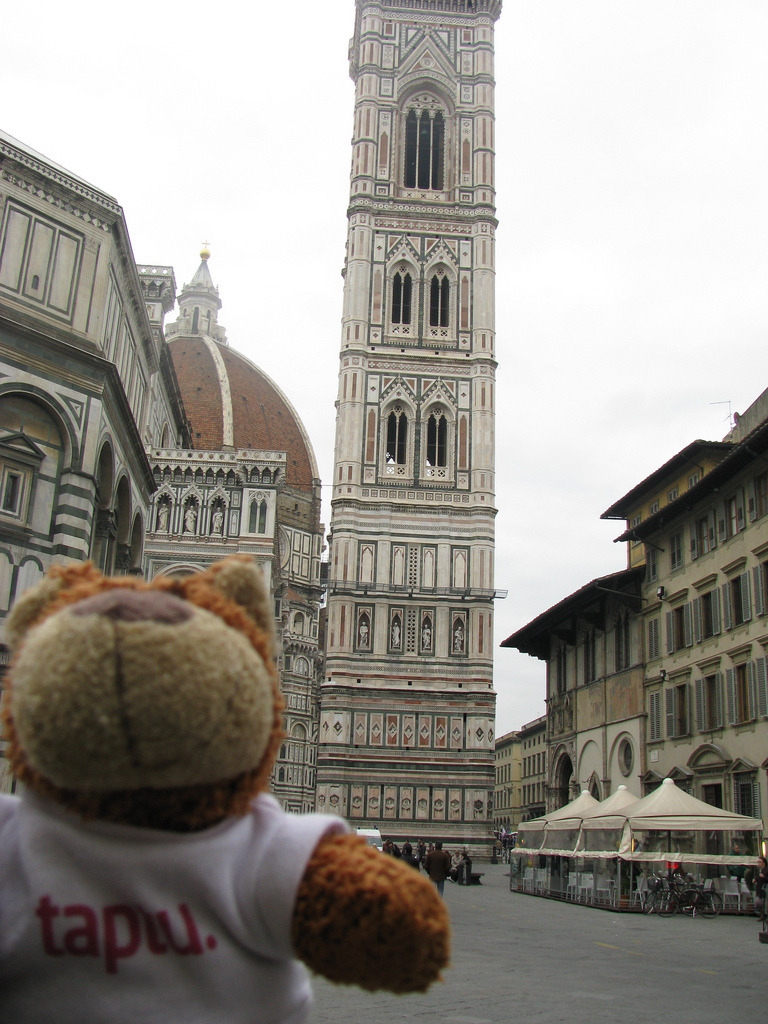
(533, 768)
(661, 670)
(249, 485)
(100, 459)
(700, 526)
(507, 791)
(591, 642)
(86, 385)
(407, 702)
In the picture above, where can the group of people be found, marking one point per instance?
(437, 862)
(505, 843)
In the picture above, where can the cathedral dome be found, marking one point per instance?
(231, 404)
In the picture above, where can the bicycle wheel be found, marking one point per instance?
(710, 903)
(646, 901)
(690, 902)
(665, 903)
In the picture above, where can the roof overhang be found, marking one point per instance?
(587, 604)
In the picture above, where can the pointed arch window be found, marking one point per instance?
(437, 440)
(402, 286)
(397, 438)
(257, 517)
(439, 290)
(424, 147)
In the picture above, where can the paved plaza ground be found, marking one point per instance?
(539, 961)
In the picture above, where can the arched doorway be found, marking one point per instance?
(563, 776)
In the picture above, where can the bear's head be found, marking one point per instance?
(156, 705)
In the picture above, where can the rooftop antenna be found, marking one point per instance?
(730, 413)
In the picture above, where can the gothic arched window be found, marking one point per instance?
(401, 298)
(397, 437)
(438, 301)
(424, 146)
(437, 440)
(257, 517)
(196, 320)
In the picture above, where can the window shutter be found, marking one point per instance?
(730, 696)
(654, 714)
(688, 709)
(699, 689)
(740, 521)
(712, 530)
(715, 612)
(762, 688)
(718, 716)
(746, 597)
(758, 589)
(694, 543)
(721, 532)
(653, 639)
(726, 591)
(751, 694)
(736, 796)
(697, 627)
(751, 501)
(756, 813)
(687, 626)
(670, 633)
(670, 702)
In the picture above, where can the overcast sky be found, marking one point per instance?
(632, 258)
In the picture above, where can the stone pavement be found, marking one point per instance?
(524, 958)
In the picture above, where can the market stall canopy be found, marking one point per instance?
(669, 808)
(561, 835)
(572, 812)
(531, 834)
(611, 812)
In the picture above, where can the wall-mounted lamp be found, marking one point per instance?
(660, 592)
(663, 674)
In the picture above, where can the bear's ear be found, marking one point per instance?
(33, 602)
(240, 580)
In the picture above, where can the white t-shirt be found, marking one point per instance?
(104, 923)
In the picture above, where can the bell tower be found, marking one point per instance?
(407, 703)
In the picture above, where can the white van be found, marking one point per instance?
(372, 836)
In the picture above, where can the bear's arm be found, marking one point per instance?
(367, 919)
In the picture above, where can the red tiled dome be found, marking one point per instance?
(262, 417)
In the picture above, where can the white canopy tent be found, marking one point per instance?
(667, 826)
(555, 833)
(671, 825)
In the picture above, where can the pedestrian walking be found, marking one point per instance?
(438, 865)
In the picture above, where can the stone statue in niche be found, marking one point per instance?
(394, 636)
(217, 522)
(363, 633)
(458, 638)
(426, 636)
(190, 519)
(163, 515)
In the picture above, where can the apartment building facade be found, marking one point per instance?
(705, 619)
(507, 790)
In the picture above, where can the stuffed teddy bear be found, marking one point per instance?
(145, 872)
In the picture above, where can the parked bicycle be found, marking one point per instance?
(678, 894)
(648, 895)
